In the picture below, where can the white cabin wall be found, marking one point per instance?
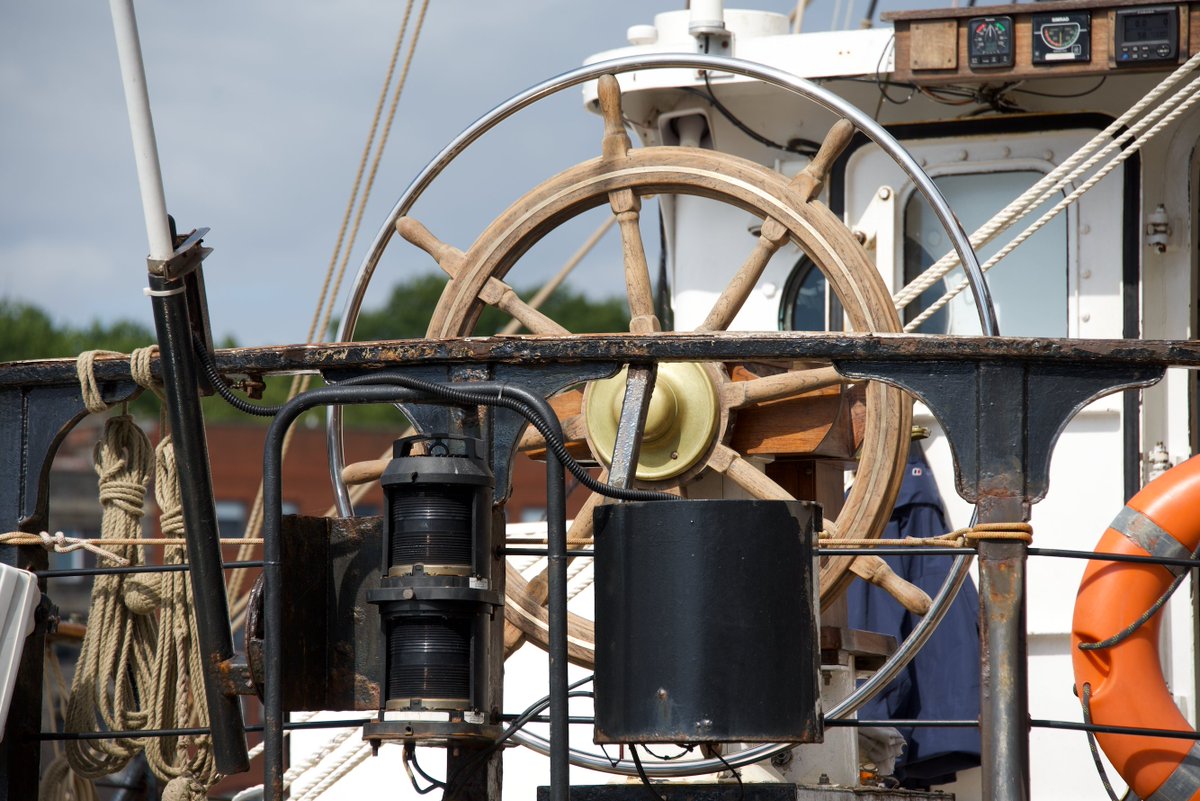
(1087, 484)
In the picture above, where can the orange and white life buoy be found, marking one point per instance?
(1126, 681)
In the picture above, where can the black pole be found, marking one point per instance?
(178, 363)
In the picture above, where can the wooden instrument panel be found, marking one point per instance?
(932, 46)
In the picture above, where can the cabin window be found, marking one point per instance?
(804, 307)
(1029, 286)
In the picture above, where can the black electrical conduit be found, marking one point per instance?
(450, 393)
(222, 387)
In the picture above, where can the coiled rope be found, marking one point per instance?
(135, 670)
(116, 658)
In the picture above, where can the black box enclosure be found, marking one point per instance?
(706, 622)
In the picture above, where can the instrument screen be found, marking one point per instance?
(990, 42)
(1064, 36)
(1149, 33)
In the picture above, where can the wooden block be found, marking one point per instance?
(826, 423)
(934, 45)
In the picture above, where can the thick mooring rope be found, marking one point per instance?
(177, 699)
(116, 658)
(135, 671)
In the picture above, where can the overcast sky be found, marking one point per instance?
(261, 111)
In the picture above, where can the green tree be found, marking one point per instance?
(27, 332)
(406, 313)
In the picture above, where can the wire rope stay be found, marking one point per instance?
(779, 79)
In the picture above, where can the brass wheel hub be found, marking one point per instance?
(681, 423)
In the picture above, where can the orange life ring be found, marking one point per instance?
(1126, 680)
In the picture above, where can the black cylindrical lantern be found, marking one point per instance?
(435, 599)
(706, 622)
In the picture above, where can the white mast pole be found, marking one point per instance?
(707, 17)
(141, 125)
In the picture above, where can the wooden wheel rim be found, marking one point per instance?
(755, 189)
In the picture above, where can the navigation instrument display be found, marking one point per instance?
(1065, 36)
(1149, 33)
(989, 42)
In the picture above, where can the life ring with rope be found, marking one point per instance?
(1115, 635)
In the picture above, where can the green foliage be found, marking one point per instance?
(27, 332)
(408, 309)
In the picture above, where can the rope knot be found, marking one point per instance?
(85, 365)
(983, 532)
(184, 788)
(139, 369)
(61, 543)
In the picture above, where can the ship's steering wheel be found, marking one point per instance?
(621, 177)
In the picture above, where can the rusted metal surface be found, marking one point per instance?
(715, 346)
(236, 677)
(1005, 399)
(1002, 418)
(639, 386)
(1004, 691)
(332, 643)
(750, 791)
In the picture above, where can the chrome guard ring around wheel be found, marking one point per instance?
(783, 80)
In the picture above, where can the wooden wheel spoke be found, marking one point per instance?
(579, 533)
(494, 293)
(448, 257)
(615, 143)
(738, 394)
(809, 181)
(770, 239)
(627, 207)
(574, 436)
(502, 296)
(739, 470)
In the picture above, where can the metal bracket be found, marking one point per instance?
(639, 387)
(187, 257)
(1003, 417)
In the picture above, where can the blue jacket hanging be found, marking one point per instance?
(942, 681)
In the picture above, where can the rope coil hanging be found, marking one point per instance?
(135, 670)
(118, 649)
